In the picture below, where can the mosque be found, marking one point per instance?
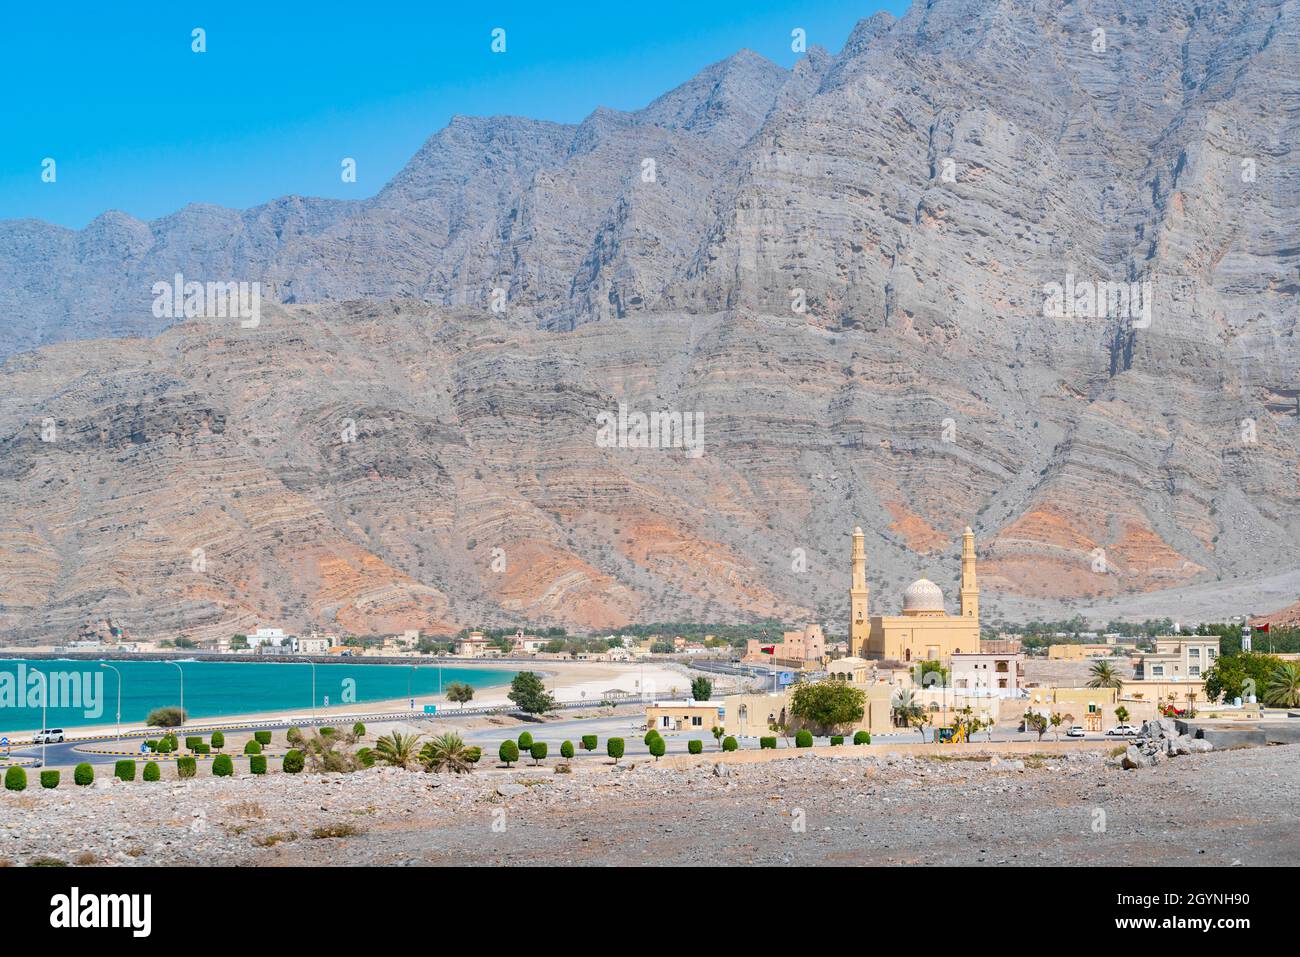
(924, 631)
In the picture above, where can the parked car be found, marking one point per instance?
(48, 736)
(1122, 729)
(1076, 732)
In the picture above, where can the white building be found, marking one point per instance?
(994, 675)
(266, 636)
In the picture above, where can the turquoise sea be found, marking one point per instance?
(84, 693)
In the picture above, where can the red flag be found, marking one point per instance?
(767, 650)
(1263, 627)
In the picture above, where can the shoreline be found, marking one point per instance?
(567, 681)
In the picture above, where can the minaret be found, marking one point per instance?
(970, 592)
(859, 598)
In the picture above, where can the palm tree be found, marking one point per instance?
(1283, 689)
(1104, 675)
(447, 752)
(396, 749)
(901, 707)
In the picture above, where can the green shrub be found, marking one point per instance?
(366, 756)
(589, 742)
(861, 737)
(186, 767)
(151, 745)
(257, 764)
(767, 743)
(614, 748)
(262, 737)
(293, 762)
(566, 750)
(203, 749)
(218, 740)
(83, 774)
(359, 730)
(803, 739)
(650, 736)
(193, 741)
(151, 771)
(657, 747)
(473, 755)
(253, 747)
(49, 779)
(730, 744)
(525, 741)
(508, 752)
(328, 732)
(15, 779)
(165, 718)
(124, 770)
(695, 747)
(837, 739)
(538, 751)
(293, 736)
(223, 766)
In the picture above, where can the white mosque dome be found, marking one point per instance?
(923, 595)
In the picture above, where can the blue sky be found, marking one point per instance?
(136, 121)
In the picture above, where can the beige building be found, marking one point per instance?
(1178, 659)
(751, 715)
(689, 715)
(1092, 709)
(924, 631)
(473, 645)
(1073, 652)
(806, 645)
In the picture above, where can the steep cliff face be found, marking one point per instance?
(841, 267)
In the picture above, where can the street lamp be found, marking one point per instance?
(178, 667)
(119, 697)
(313, 686)
(45, 700)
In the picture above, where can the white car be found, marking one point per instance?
(48, 736)
(1122, 729)
(1076, 732)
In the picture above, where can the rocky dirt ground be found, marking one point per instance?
(959, 807)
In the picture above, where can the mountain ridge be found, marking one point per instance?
(841, 267)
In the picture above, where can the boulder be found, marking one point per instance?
(510, 789)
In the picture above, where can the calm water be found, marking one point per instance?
(83, 693)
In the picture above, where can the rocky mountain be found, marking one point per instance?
(853, 272)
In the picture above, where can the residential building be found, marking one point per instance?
(1178, 659)
(688, 715)
(996, 675)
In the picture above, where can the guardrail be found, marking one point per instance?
(326, 720)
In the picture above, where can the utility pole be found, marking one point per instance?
(119, 698)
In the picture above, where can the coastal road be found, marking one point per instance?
(629, 725)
